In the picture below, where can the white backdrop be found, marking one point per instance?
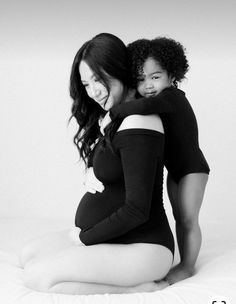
(39, 172)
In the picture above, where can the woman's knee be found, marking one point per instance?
(35, 277)
(27, 253)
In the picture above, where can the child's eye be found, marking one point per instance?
(155, 77)
(140, 79)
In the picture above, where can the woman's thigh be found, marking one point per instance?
(112, 264)
(48, 244)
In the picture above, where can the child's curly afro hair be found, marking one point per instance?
(170, 54)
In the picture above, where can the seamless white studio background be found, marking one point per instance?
(39, 172)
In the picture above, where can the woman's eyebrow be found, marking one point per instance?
(91, 77)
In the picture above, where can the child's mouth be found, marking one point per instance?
(151, 94)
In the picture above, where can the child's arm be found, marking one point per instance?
(160, 104)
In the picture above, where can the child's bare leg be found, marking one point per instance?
(191, 190)
(177, 273)
(172, 189)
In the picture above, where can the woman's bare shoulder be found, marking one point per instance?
(151, 122)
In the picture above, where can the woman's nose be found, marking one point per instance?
(95, 91)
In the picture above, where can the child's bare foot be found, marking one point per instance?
(179, 273)
(150, 286)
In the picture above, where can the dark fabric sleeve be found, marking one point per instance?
(139, 152)
(160, 104)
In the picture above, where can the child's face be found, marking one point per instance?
(153, 79)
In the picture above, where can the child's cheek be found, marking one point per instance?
(140, 89)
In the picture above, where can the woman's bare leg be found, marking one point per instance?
(90, 288)
(114, 265)
(48, 244)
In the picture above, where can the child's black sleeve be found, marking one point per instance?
(160, 104)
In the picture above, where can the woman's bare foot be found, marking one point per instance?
(150, 286)
(179, 273)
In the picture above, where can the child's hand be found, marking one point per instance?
(92, 184)
(105, 122)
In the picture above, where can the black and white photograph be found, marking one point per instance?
(117, 158)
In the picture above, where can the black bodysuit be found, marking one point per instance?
(182, 152)
(130, 209)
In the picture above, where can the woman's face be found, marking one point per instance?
(153, 79)
(96, 89)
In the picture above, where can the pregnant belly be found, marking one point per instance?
(95, 207)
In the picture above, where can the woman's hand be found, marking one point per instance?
(105, 122)
(92, 184)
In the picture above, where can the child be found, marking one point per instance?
(157, 66)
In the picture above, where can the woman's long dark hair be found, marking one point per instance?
(106, 55)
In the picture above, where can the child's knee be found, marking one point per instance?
(189, 223)
(176, 215)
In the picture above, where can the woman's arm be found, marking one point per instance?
(140, 151)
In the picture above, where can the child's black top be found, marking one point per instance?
(182, 152)
(130, 209)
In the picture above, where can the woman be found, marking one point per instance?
(126, 240)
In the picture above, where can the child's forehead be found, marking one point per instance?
(151, 65)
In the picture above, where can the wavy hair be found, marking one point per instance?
(169, 53)
(106, 55)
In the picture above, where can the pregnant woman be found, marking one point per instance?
(124, 242)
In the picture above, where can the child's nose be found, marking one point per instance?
(149, 85)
